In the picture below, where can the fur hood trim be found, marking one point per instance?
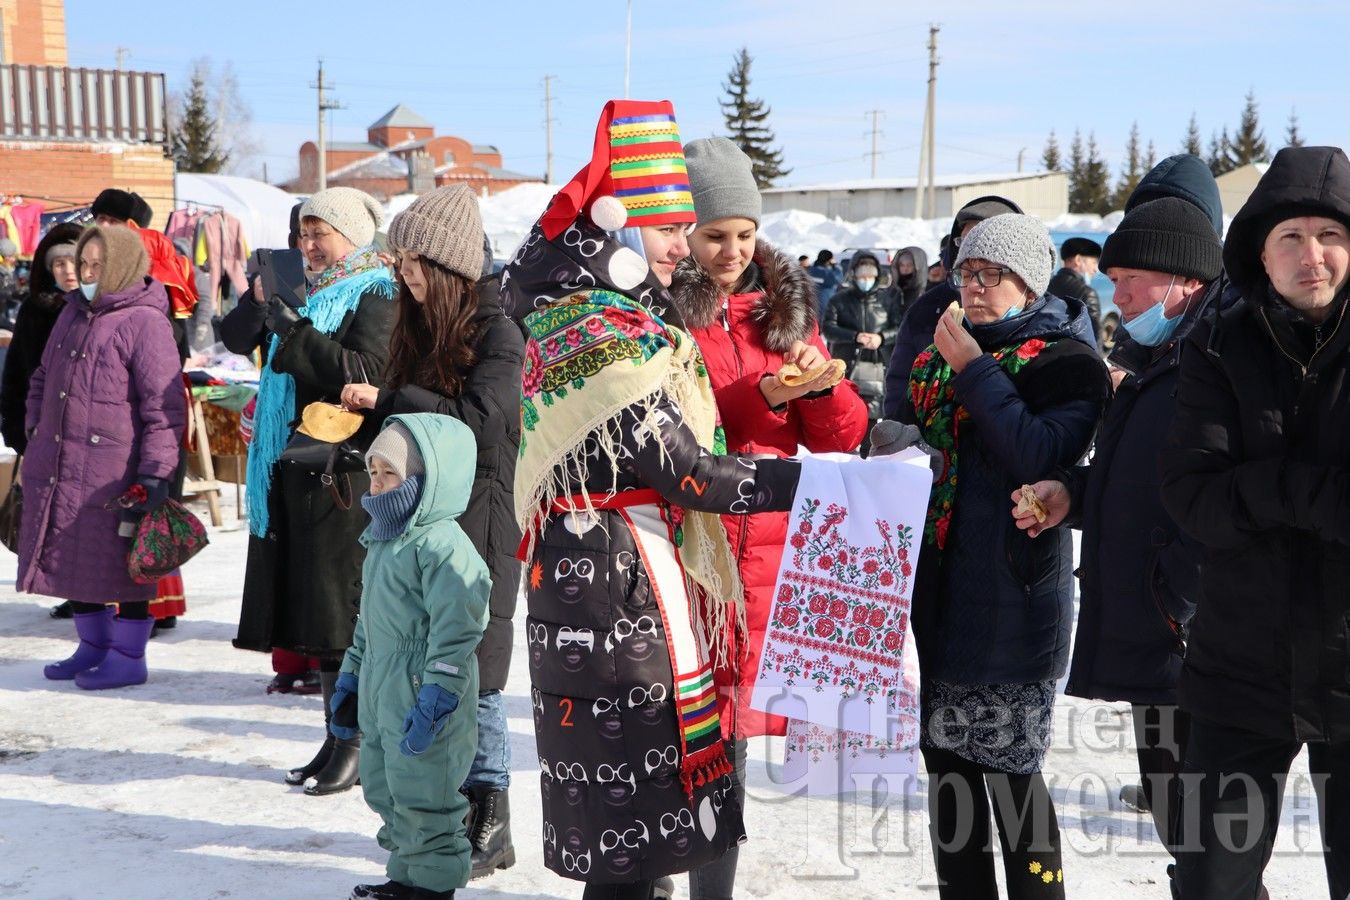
(785, 309)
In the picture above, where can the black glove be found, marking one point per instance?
(280, 317)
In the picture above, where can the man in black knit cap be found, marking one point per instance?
(1074, 279)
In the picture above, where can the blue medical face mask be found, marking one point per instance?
(88, 290)
(1010, 312)
(866, 284)
(1151, 327)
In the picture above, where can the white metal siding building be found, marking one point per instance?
(1043, 194)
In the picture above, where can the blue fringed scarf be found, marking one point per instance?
(338, 292)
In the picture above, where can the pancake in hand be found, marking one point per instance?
(1028, 502)
(792, 376)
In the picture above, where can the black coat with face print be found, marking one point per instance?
(605, 725)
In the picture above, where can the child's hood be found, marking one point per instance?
(449, 454)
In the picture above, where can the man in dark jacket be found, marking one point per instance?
(860, 328)
(916, 328)
(1255, 469)
(1139, 575)
(1074, 278)
(825, 275)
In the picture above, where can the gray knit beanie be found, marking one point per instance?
(722, 181)
(353, 214)
(443, 225)
(1018, 242)
(395, 445)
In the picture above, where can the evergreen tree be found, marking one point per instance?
(746, 121)
(1249, 144)
(1291, 136)
(195, 148)
(1192, 143)
(1218, 153)
(1096, 193)
(1050, 159)
(1150, 157)
(1077, 165)
(1131, 170)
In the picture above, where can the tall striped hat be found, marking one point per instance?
(636, 175)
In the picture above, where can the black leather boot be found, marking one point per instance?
(327, 684)
(343, 771)
(490, 836)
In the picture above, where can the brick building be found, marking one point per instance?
(403, 154)
(66, 133)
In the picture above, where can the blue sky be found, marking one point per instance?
(1009, 71)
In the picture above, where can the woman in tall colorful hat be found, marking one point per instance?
(630, 579)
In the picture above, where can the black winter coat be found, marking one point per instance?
(1139, 575)
(1255, 469)
(914, 334)
(1068, 283)
(995, 606)
(851, 312)
(490, 405)
(32, 326)
(302, 582)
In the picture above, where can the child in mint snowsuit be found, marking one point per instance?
(423, 611)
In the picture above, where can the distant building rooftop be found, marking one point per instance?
(900, 184)
(401, 117)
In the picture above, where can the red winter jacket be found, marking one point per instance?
(741, 343)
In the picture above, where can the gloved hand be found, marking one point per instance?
(426, 719)
(891, 437)
(280, 317)
(342, 707)
(144, 495)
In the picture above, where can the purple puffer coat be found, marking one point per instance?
(109, 406)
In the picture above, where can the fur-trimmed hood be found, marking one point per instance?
(785, 310)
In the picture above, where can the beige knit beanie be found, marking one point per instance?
(353, 214)
(124, 259)
(443, 225)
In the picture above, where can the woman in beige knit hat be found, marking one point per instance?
(454, 352)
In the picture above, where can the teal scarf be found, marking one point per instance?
(337, 292)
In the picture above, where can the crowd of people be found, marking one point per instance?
(607, 419)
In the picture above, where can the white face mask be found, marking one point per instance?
(89, 290)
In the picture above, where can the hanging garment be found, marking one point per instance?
(24, 225)
(183, 224)
(226, 251)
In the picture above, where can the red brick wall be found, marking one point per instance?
(76, 172)
(35, 32)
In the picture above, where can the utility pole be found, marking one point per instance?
(325, 104)
(930, 113)
(874, 113)
(1019, 158)
(548, 130)
(628, 49)
(121, 52)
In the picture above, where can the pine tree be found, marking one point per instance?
(1291, 136)
(746, 120)
(1131, 170)
(1096, 181)
(195, 148)
(1150, 157)
(1077, 165)
(1050, 159)
(1249, 144)
(1192, 143)
(1218, 154)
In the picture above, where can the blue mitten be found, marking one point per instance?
(426, 719)
(342, 707)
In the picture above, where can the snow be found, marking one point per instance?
(173, 789)
(263, 210)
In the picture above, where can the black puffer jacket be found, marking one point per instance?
(1139, 575)
(490, 406)
(1068, 283)
(32, 326)
(994, 606)
(851, 312)
(1256, 470)
(905, 289)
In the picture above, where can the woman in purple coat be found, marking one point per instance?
(105, 409)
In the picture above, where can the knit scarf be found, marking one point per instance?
(934, 399)
(337, 292)
(391, 511)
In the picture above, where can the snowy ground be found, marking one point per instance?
(173, 789)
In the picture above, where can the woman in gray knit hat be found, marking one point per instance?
(1019, 379)
(455, 352)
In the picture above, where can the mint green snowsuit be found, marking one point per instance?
(423, 611)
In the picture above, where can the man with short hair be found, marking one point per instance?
(1074, 279)
(1257, 469)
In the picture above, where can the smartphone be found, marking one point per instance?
(283, 274)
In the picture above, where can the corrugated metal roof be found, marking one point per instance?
(899, 184)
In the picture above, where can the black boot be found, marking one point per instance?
(62, 611)
(390, 890)
(490, 836)
(343, 771)
(327, 684)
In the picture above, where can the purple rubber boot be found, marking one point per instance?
(95, 632)
(125, 662)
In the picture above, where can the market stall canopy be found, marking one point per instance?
(263, 210)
